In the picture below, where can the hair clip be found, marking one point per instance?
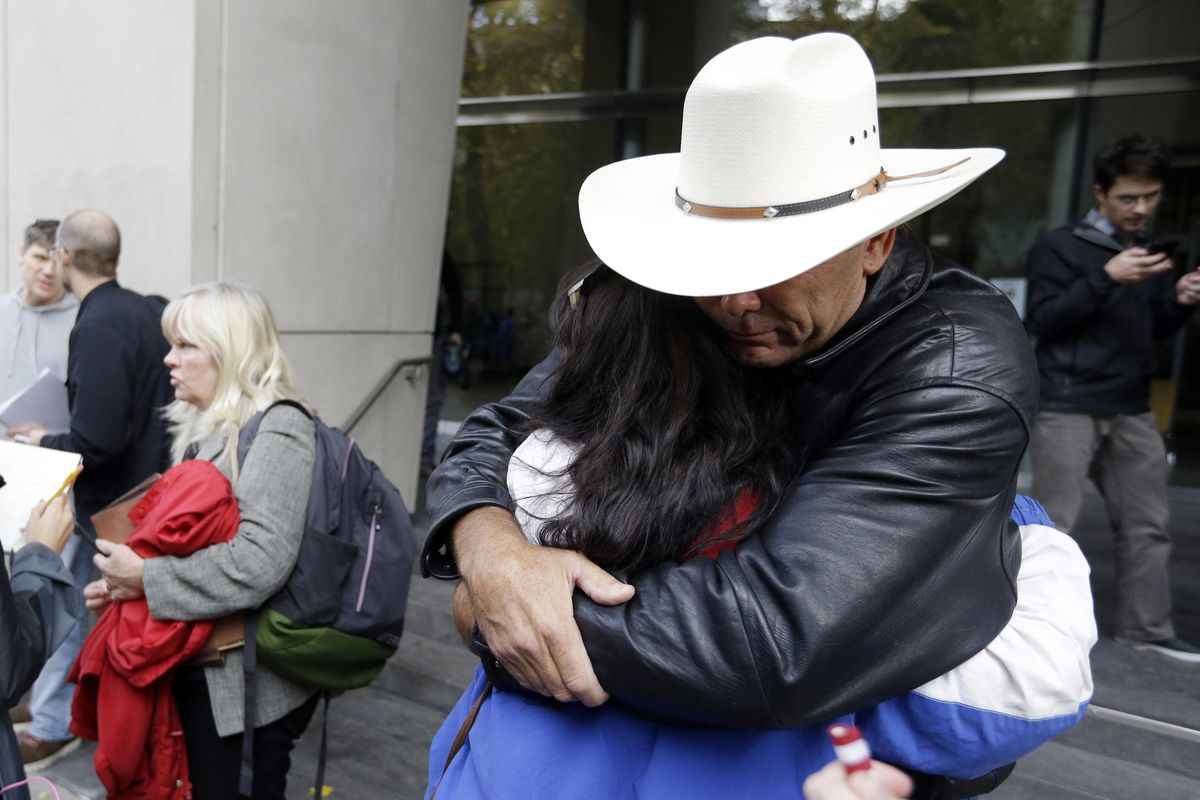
(575, 293)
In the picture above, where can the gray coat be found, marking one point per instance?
(272, 494)
(37, 610)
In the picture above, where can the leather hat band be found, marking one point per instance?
(873, 186)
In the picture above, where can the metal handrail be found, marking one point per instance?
(365, 406)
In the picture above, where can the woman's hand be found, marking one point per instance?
(96, 596)
(51, 524)
(882, 782)
(121, 569)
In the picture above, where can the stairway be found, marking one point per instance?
(379, 736)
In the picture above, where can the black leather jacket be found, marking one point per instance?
(1095, 337)
(890, 560)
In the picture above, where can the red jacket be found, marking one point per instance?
(123, 673)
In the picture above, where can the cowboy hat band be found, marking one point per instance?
(872, 186)
(782, 132)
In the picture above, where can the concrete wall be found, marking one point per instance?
(303, 147)
(100, 114)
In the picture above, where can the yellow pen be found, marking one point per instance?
(66, 484)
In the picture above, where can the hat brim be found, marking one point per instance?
(631, 221)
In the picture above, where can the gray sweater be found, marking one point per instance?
(33, 339)
(272, 494)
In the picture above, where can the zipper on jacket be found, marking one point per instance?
(362, 587)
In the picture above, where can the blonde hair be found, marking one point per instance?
(233, 325)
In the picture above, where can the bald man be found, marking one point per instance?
(116, 384)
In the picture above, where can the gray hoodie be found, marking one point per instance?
(32, 339)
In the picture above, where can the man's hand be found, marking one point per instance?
(1187, 289)
(51, 524)
(1137, 264)
(521, 596)
(882, 782)
(96, 596)
(30, 433)
(121, 569)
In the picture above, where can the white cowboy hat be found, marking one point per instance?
(780, 169)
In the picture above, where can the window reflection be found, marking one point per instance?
(513, 230)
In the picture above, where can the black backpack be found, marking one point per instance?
(339, 617)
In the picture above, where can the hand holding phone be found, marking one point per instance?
(1161, 246)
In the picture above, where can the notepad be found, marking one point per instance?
(32, 474)
(43, 403)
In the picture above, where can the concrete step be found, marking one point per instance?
(428, 671)
(73, 775)
(378, 746)
(1146, 684)
(1130, 738)
(1062, 772)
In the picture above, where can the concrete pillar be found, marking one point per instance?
(303, 147)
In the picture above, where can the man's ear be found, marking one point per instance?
(877, 250)
(1099, 192)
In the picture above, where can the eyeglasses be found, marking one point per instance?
(56, 251)
(1131, 200)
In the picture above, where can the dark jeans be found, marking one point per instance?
(214, 762)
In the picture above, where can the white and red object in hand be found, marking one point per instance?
(850, 747)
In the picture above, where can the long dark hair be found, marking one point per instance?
(671, 431)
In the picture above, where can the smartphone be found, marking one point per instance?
(1162, 246)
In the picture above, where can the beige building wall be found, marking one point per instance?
(303, 147)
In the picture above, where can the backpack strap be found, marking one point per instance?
(319, 786)
(249, 663)
(250, 429)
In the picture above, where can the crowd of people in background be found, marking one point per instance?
(152, 384)
(765, 479)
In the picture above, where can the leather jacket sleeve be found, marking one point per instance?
(891, 561)
(472, 473)
(823, 611)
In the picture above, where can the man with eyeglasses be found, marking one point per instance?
(1100, 293)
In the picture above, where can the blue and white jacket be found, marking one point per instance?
(1032, 682)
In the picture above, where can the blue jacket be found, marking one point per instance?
(1032, 682)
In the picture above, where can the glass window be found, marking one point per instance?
(524, 47)
(990, 225)
(513, 231)
(921, 35)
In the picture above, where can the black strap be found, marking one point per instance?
(249, 663)
(320, 784)
(941, 787)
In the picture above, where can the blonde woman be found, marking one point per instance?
(226, 365)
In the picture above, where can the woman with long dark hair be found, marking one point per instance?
(672, 435)
(650, 429)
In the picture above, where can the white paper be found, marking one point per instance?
(44, 403)
(31, 474)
